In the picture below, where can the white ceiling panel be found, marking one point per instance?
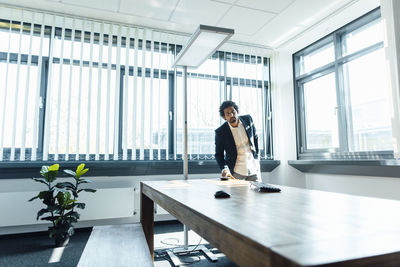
(225, 1)
(331, 23)
(157, 9)
(266, 5)
(111, 5)
(195, 12)
(296, 18)
(184, 16)
(244, 20)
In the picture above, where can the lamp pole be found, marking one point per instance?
(185, 125)
(183, 59)
(185, 146)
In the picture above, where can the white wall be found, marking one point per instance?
(116, 201)
(382, 187)
(284, 131)
(284, 134)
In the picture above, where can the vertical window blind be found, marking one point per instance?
(75, 89)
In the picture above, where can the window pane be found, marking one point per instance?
(69, 130)
(246, 73)
(22, 100)
(369, 115)
(240, 65)
(203, 116)
(321, 113)
(210, 66)
(157, 108)
(14, 37)
(249, 100)
(317, 58)
(363, 37)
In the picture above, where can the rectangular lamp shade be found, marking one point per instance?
(201, 45)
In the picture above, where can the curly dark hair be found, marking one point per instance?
(227, 104)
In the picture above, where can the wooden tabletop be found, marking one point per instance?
(296, 227)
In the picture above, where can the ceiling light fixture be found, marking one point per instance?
(201, 45)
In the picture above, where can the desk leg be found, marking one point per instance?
(147, 221)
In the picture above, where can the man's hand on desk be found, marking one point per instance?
(227, 173)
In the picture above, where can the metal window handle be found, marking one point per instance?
(170, 115)
(335, 110)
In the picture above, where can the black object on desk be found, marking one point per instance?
(262, 187)
(221, 194)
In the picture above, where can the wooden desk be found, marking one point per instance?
(296, 227)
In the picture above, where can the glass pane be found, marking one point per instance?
(71, 120)
(317, 58)
(17, 104)
(209, 67)
(249, 100)
(321, 113)
(245, 73)
(28, 43)
(155, 113)
(363, 37)
(369, 115)
(240, 65)
(203, 116)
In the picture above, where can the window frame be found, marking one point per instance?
(337, 68)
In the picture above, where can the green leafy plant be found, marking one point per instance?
(61, 201)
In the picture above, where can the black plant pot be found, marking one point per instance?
(62, 241)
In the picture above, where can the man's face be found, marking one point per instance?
(231, 115)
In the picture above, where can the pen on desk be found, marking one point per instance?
(230, 176)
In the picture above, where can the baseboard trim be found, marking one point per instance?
(82, 224)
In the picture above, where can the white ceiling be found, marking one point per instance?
(268, 23)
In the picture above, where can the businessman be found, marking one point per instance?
(236, 144)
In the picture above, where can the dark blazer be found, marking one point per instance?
(225, 147)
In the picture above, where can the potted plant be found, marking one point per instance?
(61, 201)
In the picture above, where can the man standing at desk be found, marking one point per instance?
(236, 144)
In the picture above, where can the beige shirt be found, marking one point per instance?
(245, 165)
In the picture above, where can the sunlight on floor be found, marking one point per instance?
(56, 255)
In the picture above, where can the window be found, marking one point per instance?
(342, 98)
(73, 89)
(245, 82)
